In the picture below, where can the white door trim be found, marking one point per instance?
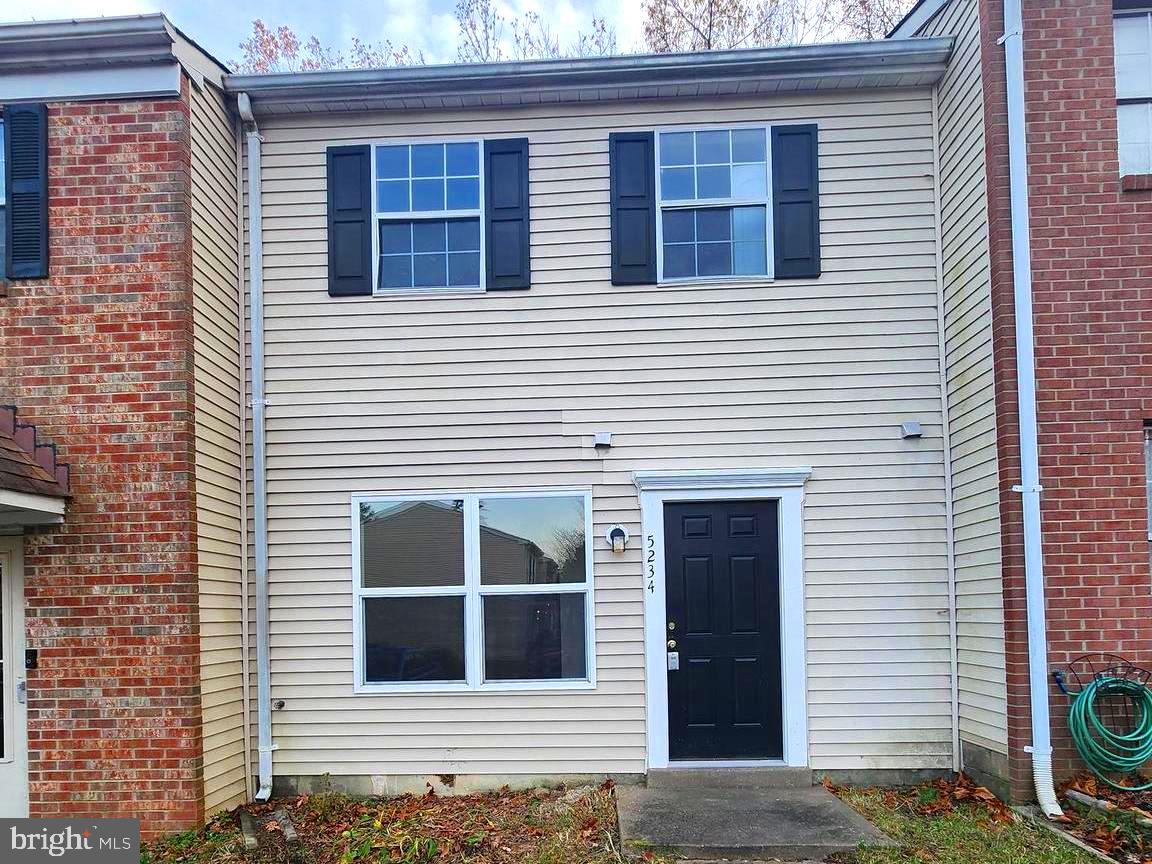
(785, 485)
(14, 765)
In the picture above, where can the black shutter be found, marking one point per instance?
(26, 179)
(631, 158)
(506, 220)
(795, 202)
(350, 221)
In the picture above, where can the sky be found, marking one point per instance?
(428, 25)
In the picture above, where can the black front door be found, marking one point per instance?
(723, 593)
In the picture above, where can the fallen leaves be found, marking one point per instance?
(565, 826)
(942, 796)
(1117, 822)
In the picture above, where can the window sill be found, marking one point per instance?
(719, 281)
(463, 689)
(1136, 183)
(409, 293)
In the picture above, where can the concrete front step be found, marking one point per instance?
(743, 778)
(738, 823)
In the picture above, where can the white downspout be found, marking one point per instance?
(264, 745)
(1029, 488)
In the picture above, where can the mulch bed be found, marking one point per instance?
(541, 826)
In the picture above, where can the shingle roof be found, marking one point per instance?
(27, 464)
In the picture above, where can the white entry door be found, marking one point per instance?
(13, 710)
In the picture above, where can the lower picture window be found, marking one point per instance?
(414, 639)
(467, 591)
(534, 637)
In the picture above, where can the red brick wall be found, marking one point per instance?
(99, 356)
(1092, 295)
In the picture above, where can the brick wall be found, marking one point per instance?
(1092, 283)
(99, 356)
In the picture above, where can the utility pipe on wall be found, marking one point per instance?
(264, 745)
(1029, 488)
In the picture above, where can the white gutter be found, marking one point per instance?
(1029, 488)
(264, 745)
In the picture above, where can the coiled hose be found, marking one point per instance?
(1104, 749)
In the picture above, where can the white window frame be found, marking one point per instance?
(1127, 101)
(701, 203)
(473, 592)
(425, 215)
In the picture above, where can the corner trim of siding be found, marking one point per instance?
(946, 443)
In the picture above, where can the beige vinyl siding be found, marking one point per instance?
(505, 390)
(215, 309)
(968, 334)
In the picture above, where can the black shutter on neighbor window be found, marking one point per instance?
(26, 180)
(506, 219)
(631, 158)
(350, 221)
(795, 202)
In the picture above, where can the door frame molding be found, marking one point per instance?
(784, 485)
(12, 554)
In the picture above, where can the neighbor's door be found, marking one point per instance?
(13, 711)
(722, 567)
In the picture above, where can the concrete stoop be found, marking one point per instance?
(739, 816)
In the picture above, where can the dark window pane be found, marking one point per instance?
(464, 269)
(392, 162)
(464, 194)
(427, 195)
(714, 182)
(427, 160)
(676, 184)
(429, 271)
(714, 224)
(532, 541)
(534, 637)
(396, 271)
(464, 235)
(748, 145)
(715, 259)
(395, 237)
(712, 148)
(413, 639)
(463, 160)
(428, 236)
(676, 148)
(392, 196)
(412, 544)
(679, 261)
(679, 226)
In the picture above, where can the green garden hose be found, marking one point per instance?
(1105, 750)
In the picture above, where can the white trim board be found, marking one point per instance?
(108, 82)
(784, 485)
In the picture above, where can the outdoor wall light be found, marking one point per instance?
(617, 538)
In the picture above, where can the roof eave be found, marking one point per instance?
(800, 67)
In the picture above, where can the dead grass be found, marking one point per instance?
(953, 823)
